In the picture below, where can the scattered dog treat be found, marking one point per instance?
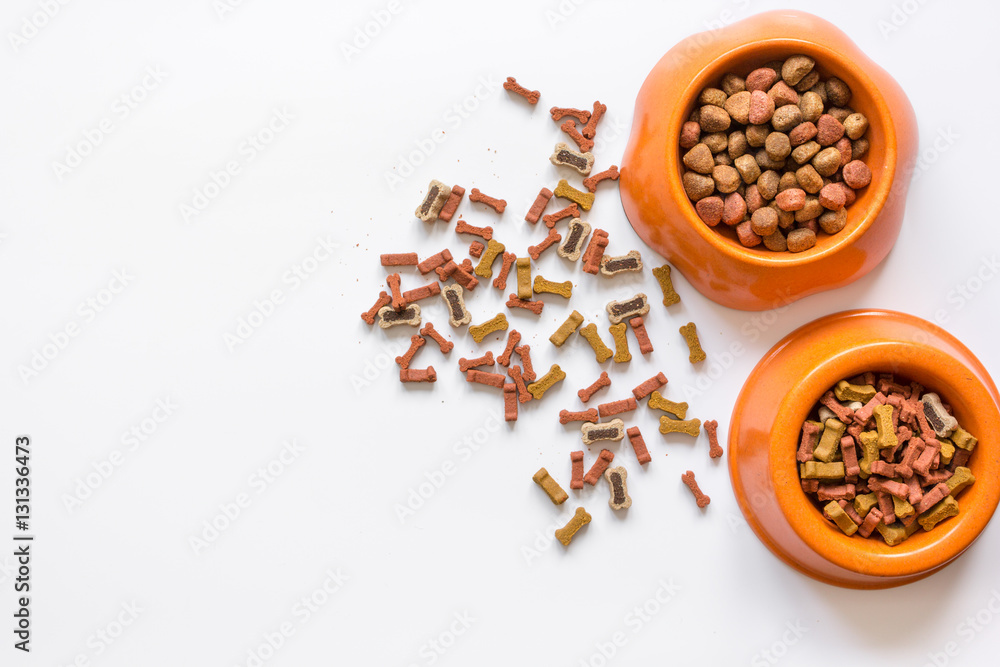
(489, 379)
(550, 239)
(654, 383)
(583, 199)
(383, 300)
(572, 245)
(419, 293)
(497, 205)
(538, 388)
(571, 211)
(612, 266)
(604, 459)
(450, 206)
(435, 199)
(690, 333)
(417, 374)
(500, 282)
(485, 360)
(625, 310)
(458, 314)
(485, 267)
(711, 427)
(590, 129)
(690, 427)
(388, 317)
(657, 402)
(476, 249)
(700, 498)
(616, 407)
(591, 182)
(579, 520)
(435, 261)
(564, 156)
(416, 342)
(515, 373)
(638, 444)
(595, 252)
(551, 488)
(514, 301)
(576, 461)
(510, 402)
(432, 333)
(523, 270)
(538, 207)
(462, 227)
(641, 336)
(393, 281)
(566, 329)
(558, 113)
(612, 430)
(513, 338)
(937, 417)
(620, 500)
(662, 275)
(586, 393)
(601, 351)
(481, 331)
(622, 355)
(400, 259)
(543, 286)
(524, 352)
(513, 86)
(569, 127)
(566, 416)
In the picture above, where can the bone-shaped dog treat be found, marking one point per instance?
(711, 427)
(524, 352)
(500, 282)
(417, 374)
(926, 459)
(845, 391)
(590, 129)
(569, 127)
(849, 453)
(432, 333)
(622, 355)
(873, 519)
(864, 503)
(943, 510)
(947, 450)
(424, 292)
(538, 207)
(595, 251)
(416, 342)
(462, 227)
(550, 240)
(883, 423)
(579, 520)
(513, 86)
(558, 113)
(566, 329)
(690, 333)
(399, 259)
(612, 408)
(613, 430)
(543, 286)
(485, 267)
(836, 513)
(886, 505)
(839, 491)
(829, 441)
(572, 245)
(576, 464)
(513, 338)
(510, 402)
(612, 266)
(481, 331)
(641, 336)
(432, 203)
(638, 444)
(550, 486)
(601, 351)
(497, 205)
(960, 480)
(450, 206)
(393, 280)
(662, 275)
(810, 436)
(658, 402)
(849, 510)
(860, 416)
(820, 470)
(937, 417)
(458, 314)
(690, 426)
(881, 484)
(963, 439)
(894, 535)
(933, 497)
(482, 377)
(389, 317)
(383, 300)
(620, 500)
(513, 301)
(462, 273)
(565, 416)
(868, 441)
(583, 199)
(604, 459)
(571, 211)
(591, 181)
(544, 383)
(485, 360)
(435, 261)
(523, 273)
(522, 389)
(564, 156)
(586, 393)
(700, 498)
(902, 508)
(627, 309)
(649, 386)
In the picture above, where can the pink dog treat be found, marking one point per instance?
(585, 144)
(571, 211)
(604, 459)
(552, 238)
(898, 489)
(434, 261)
(844, 414)
(595, 251)
(867, 526)
(700, 498)
(617, 407)
(638, 444)
(500, 282)
(538, 207)
(886, 506)
(489, 379)
(513, 86)
(462, 227)
(850, 511)
(416, 342)
(576, 480)
(523, 395)
(654, 383)
(932, 497)
(923, 463)
(443, 343)
(916, 492)
(586, 393)
(485, 360)
(397, 297)
(510, 402)
(810, 435)
(417, 374)
(611, 173)
(590, 129)
(383, 300)
(565, 416)
(513, 338)
(450, 206)
(711, 427)
(524, 352)
(865, 413)
(497, 205)
(399, 259)
(639, 329)
(835, 491)
(850, 455)
(534, 306)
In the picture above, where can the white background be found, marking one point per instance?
(313, 373)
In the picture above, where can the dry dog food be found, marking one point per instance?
(485, 267)
(569, 127)
(538, 388)
(476, 249)
(543, 286)
(513, 86)
(617, 407)
(566, 533)
(489, 379)
(576, 461)
(432, 203)
(564, 156)
(458, 314)
(400, 259)
(612, 430)
(604, 459)
(416, 342)
(617, 476)
(595, 252)
(538, 207)
(481, 331)
(498, 205)
(514, 301)
(485, 360)
(507, 261)
(388, 317)
(638, 444)
(383, 300)
(654, 383)
(657, 402)
(690, 333)
(571, 211)
(450, 206)
(566, 329)
(627, 309)
(550, 239)
(510, 402)
(612, 266)
(601, 351)
(566, 416)
(662, 275)
(462, 227)
(611, 173)
(524, 352)
(622, 355)
(572, 244)
(550, 486)
(700, 498)
(690, 427)
(513, 338)
(515, 374)
(432, 333)
(558, 113)
(587, 393)
(711, 427)
(583, 199)
(641, 335)
(435, 261)
(417, 374)
(590, 129)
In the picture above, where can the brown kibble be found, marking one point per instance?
(737, 144)
(855, 125)
(811, 105)
(767, 184)
(810, 209)
(717, 141)
(829, 130)
(757, 134)
(777, 146)
(710, 210)
(761, 79)
(713, 119)
(808, 179)
(787, 181)
(726, 178)
(764, 221)
(840, 113)
(857, 174)
(734, 209)
(761, 108)
(849, 194)
(782, 94)
(786, 117)
(795, 69)
(775, 242)
(712, 96)
(832, 197)
(748, 168)
(753, 198)
(792, 199)
(844, 146)
(802, 133)
(699, 158)
(807, 82)
(827, 161)
(801, 239)
(805, 152)
(697, 186)
(786, 219)
(765, 161)
(746, 236)
(738, 107)
(690, 133)
(732, 84)
(838, 93)
(832, 222)
(859, 148)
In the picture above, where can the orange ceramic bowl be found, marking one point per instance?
(783, 389)
(711, 258)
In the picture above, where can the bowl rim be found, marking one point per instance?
(827, 56)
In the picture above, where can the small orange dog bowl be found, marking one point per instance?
(711, 258)
(779, 395)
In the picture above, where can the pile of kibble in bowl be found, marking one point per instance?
(776, 155)
(882, 454)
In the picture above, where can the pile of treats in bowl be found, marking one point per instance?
(776, 155)
(519, 383)
(912, 463)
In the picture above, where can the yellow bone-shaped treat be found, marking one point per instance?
(543, 286)
(869, 450)
(621, 342)
(579, 520)
(601, 351)
(959, 481)
(485, 267)
(551, 487)
(845, 391)
(657, 402)
(522, 266)
(883, 422)
(566, 329)
(584, 199)
(481, 331)
(538, 388)
(829, 441)
(943, 510)
(820, 470)
(691, 426)
(839, 517)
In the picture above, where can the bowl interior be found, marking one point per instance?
(866, 98)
